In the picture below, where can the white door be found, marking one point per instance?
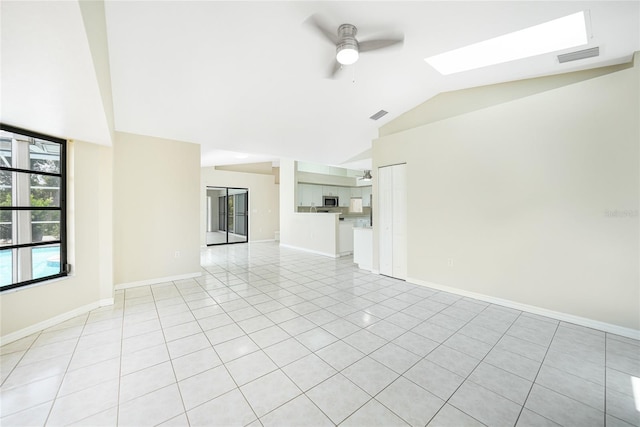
(392, 206)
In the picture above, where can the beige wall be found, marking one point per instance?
(264, 208)
(518, 195)
(89, 226)
(156, 204)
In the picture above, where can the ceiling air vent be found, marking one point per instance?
(581, 54)
(379, 114)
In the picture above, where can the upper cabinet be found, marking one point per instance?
(344, 196)
(316, 195)
(366, 196)
(304, 195)
(309, 195)
(329, 190)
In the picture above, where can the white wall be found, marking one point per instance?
(316, 178)
(313, 232)
(156, 204)
(264, 194)
(288, 197)
(518, 196)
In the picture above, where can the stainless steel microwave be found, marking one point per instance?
(330, 201)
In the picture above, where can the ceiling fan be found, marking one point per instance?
(348, 48)
(366, 176)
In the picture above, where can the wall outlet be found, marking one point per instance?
(449, 262)
(176, 254)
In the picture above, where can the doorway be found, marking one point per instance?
(227, 215)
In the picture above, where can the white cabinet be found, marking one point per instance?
(363, 247)
(344, 196)
(366, 196)
(304, 194)
(329, 190)
(309, 195)
(316, 195)
(345, 238)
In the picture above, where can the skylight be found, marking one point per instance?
(562, 33)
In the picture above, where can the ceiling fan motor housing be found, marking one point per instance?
(347, 48)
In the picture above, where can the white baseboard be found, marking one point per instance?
(262, 241)
(14, 336)
(570, 318)
(105, 302)
(282, 245)
(365, 267)
(121, 286)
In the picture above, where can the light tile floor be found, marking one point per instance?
(275, 337)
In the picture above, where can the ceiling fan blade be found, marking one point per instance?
(335, 70)
(316, 23)
(369, 45)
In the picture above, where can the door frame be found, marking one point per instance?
(226, 213)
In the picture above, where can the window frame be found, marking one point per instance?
(62, 208)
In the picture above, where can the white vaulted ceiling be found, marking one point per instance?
(48, 81)
(249, 77)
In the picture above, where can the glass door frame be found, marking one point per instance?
(226, 196)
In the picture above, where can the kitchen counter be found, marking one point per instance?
(345, 238)
(363, 247)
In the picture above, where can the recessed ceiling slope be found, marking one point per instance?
(47, 78)
(247, 76)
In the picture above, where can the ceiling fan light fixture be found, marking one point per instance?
(347, 53)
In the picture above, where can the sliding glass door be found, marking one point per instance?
(227, 215)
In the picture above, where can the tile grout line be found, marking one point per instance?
(533, 383)
(124, 299)
(166, 344)
(21, 357)
(605, 379)
(373, 351)
(55, 398)
(224, 363)
(421, 357)
(446, 402)
(240, 270)
(280, 368)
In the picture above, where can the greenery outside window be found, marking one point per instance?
(33, 245)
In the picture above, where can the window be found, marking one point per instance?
(32, 207)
